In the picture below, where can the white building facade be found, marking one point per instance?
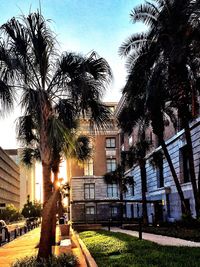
(161, 189)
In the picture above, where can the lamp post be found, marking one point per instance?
(66, 198)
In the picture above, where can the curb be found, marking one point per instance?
(88, 258)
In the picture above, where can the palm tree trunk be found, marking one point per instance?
(195, 105)
(54, 212)
(144, 187)
(45, 151)
(174, 175)
(121, 205)
(46, 228)
(191, 168)
(47, 184)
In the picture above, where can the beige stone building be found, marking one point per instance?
(27, 178)
(90, 196)
(9, 181)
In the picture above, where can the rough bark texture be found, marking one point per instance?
(55, 210)
(46, 228)
(47, 184)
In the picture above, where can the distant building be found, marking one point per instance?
(27, 177)
(90, 195)
(161, 193)
(9, 181)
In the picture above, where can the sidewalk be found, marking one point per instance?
(25, 246)
(19, 248)
(159, 239)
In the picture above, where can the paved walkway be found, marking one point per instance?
(159, 239)
(19, 248)
(25, 246)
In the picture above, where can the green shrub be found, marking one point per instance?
(10, 214)
(32, 209)
(63, 260)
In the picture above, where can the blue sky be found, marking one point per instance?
(81, 26)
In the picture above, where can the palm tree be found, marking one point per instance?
(173, 29)
(118, 177)
(80, 150)
(135, 118)
(46, 79)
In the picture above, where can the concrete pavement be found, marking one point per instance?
(19, 248)
(159, 239)
(25, 245)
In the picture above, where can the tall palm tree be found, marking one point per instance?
(173, 30)
(80, 150)
(135, 118)
(118, 177)
(45, 78)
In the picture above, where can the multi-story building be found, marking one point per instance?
(27, 178)
(91, 198)
(163, 200)
(9, 181)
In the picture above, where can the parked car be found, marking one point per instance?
(3, 231)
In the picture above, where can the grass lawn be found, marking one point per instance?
(120, 250)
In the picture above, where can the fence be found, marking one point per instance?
(9, 235)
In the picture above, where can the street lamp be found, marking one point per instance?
(66, 198)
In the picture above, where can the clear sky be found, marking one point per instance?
(80, 26)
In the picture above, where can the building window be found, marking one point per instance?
(88, 167)
(112, 190)
(110, 142)
(89, 191)
(90, 210)
(184, 164)
(114, 211)
(111, 165)
(160, 177)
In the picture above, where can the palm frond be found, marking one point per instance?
(140, 149)
(99, 115)
(59, 136)
(43, 43)
(117, 177)
(31, 100)
(97, 67)
(83, 148)
(67, 113)
(134, 113)
(135, 41)
(146, 13)
(26, 127)
(17, 35)
(29, 155)
(110, 178)
(7, 97)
